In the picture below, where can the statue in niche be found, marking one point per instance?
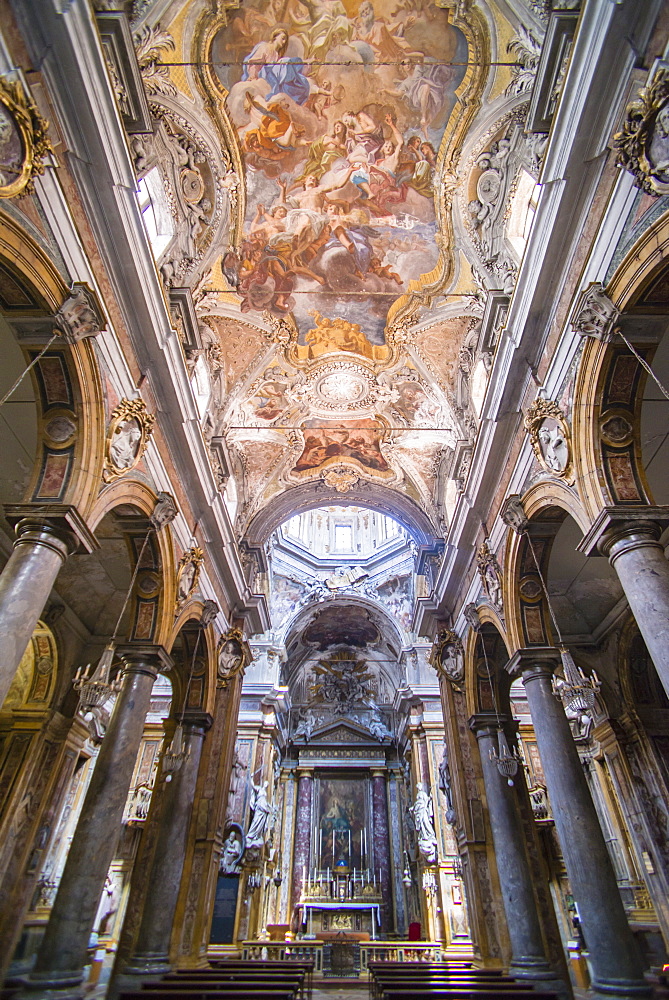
(423, 816)
(238, 768)
(261, 810)
(490, 573)
(232, 853)
(233, 655)
(445, 785)
(554, 446)
(125, 443)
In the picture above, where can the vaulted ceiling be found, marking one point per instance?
(346, 182)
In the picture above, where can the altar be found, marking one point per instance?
(348, 910)
(339, 900)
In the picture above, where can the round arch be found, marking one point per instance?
(191, 614)
(610, 384)
(308, 496)
(66, 381)
(477, 686)
(546, 504)
(131, 497)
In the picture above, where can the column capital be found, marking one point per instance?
(620, 528)
(305, 772)
(195, 718)
(54, 524)
(144, 658)
(486, 724)
(534, 661)
(378, 772)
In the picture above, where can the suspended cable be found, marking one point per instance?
(642, 362)
(30, 366)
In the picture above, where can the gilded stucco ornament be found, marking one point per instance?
(24, 143)
(448, 656)
(128, 435)
(341, 479)
(232, 656)
(188, 574)
(491, 575)
(549, 436)
(643, 143)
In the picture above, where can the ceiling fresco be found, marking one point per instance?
(367, 159)
(340, 111)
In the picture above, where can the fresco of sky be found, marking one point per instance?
(340, 108)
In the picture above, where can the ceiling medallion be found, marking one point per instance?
(339, 387)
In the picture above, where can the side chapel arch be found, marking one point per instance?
(610, 383)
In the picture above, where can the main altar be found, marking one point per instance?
(339, 902)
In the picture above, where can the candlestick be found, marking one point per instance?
(349, 847)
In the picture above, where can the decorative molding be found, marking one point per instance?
(643, 142)
(513, 514)
(595, 314)
(233, 655)
(447, 656)
(80, 315)
(24, 137)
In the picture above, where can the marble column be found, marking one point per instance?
(42, 545)
(301, 854)
(62, 954)
(172, 816)
(528, 955)
(631, 544)
(614, 959)
(381, 840)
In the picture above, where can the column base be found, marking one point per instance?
(63, 985)
(148, 965)
(621, 988)
(538, 971)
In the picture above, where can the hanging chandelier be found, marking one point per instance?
(507, 762)
(95, 689)
(577, 691)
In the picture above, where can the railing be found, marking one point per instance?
(399, 951)
(286, 951)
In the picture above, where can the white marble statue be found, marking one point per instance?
(424, 821)
(125, 444)
(261, 809)
(232, 852)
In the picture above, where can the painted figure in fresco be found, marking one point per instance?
(275, 134)
(325, 152)
(357, 98)
(285, 74)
